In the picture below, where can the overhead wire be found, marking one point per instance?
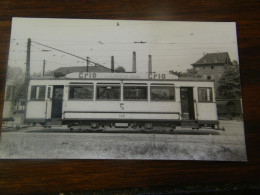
(121, 57)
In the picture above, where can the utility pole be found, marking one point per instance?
(43, 68)
(27, 73)
(87, 63)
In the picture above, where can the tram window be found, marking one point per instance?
(49, 92)
(41, 95)
(135, 92)
(33, 92)
(38, 92)
(205, 94)
(108, 92)
(81, 92)
(162, 93)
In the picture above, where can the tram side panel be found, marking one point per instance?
(121, 109)
(36, 103)
(87, 110)
(203, 108)
(39, 104)
(206, 104)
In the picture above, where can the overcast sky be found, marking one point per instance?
(173, 45)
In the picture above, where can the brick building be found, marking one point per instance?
(212, 66)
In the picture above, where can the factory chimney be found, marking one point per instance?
(149, 64)
(112, 64)
(134, 62)
(43, 68)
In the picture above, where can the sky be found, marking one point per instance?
(173, 45)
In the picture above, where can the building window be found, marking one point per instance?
(38, 92)
(81, 92)
(135, 92)
(205, 94)
(208, 77)
(212, 67)
(108, 92)
(162, 93)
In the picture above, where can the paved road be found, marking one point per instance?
(204, 144)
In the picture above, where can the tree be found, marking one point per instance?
(17, 75)
(120, 69)
(229, 83)
(37, 75)
(191, 72)
(175, 73)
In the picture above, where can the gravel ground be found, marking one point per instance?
(205, 144)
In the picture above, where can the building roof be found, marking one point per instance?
(213, 59)
(62, 71)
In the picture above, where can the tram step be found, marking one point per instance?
(190, 123)
(122, 125)
(54, 122)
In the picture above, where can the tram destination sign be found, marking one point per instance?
(99, 75)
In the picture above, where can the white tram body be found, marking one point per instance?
(98, 100)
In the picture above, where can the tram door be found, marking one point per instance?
(187, 103)
(57, 97)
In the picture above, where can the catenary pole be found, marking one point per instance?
(27, 73)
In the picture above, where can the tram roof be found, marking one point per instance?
(121, 76)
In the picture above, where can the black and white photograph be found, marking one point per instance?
(122, 89)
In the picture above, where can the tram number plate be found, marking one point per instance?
(121, 115)
(121, 124)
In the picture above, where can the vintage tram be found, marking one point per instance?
(99, 101)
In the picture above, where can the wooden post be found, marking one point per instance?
(27, 73)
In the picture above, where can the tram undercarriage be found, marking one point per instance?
(142, 126)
